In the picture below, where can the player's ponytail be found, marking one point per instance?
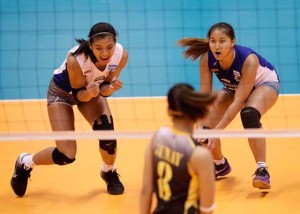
(195, 47)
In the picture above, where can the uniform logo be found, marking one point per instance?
(112, 67)
(99, 79)
(87, 72)
(237, 75)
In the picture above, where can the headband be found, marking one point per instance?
(101, 33)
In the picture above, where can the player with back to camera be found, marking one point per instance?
(250, 86)
(89, 74)
(179, 172)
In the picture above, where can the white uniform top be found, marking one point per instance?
(89, 70)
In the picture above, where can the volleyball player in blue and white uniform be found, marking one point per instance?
(250, 86)
(89, 74)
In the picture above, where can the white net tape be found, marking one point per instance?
(73, 135)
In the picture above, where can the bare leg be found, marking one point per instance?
(61, 117)
(216, 113)
(258, 148)
(262, 99)
(92, 112)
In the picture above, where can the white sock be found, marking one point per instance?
(106, 168)
(260, 164)
(28, 162)
(218, 162)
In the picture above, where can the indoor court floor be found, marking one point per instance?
(77, 188)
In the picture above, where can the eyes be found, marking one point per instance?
(214, 41)
(109, 48)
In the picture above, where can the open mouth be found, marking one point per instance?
(104, 58)
(217, 53)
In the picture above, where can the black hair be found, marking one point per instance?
(196, 47)
(99, 30)
(183, 100)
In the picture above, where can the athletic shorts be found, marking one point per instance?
(275, 86)
(58, 95)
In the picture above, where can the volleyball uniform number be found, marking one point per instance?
(164, 171)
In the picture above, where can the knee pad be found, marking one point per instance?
(106, 145)
(250, 117)
(60, 159)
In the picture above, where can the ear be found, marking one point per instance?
(232, 42)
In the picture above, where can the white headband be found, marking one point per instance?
(102, 33)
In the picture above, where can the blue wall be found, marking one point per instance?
(36, 35)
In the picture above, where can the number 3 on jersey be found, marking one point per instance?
(164, 171)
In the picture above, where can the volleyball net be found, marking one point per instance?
(36, 36)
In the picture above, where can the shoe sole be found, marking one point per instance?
(224, 173)
(261, 184)
(115, 193)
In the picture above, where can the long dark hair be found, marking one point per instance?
(183, 100)
(99, 30)
(196, 47)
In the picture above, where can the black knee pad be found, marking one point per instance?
(106, 145)
(60, 159)
(250, 118)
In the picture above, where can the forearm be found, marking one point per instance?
(145, 202)
(229, 115)
(84, 96)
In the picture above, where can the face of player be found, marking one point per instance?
(103, 49)
(221, 44)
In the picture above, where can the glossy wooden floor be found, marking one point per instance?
(77, 188)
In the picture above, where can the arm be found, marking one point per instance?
(78, 81)
(147, 188)
(115, 83)
(243, 90)
(205, 75)
(202, 164)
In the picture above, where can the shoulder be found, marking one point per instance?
(72, 62)
(242, 51)
(120, 49)
(245, 55)
(200, 157)
(164, 131)
(204, 59)
(201, 153)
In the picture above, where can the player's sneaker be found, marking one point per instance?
(20, 177)
(261, 179)
(222, 169)
(114, 185)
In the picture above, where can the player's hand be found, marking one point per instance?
(116, 84)
(202, 141)
(93, 89)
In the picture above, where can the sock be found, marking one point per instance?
(218, 162)
(28, 162)
(260, 164)
(106, 168)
